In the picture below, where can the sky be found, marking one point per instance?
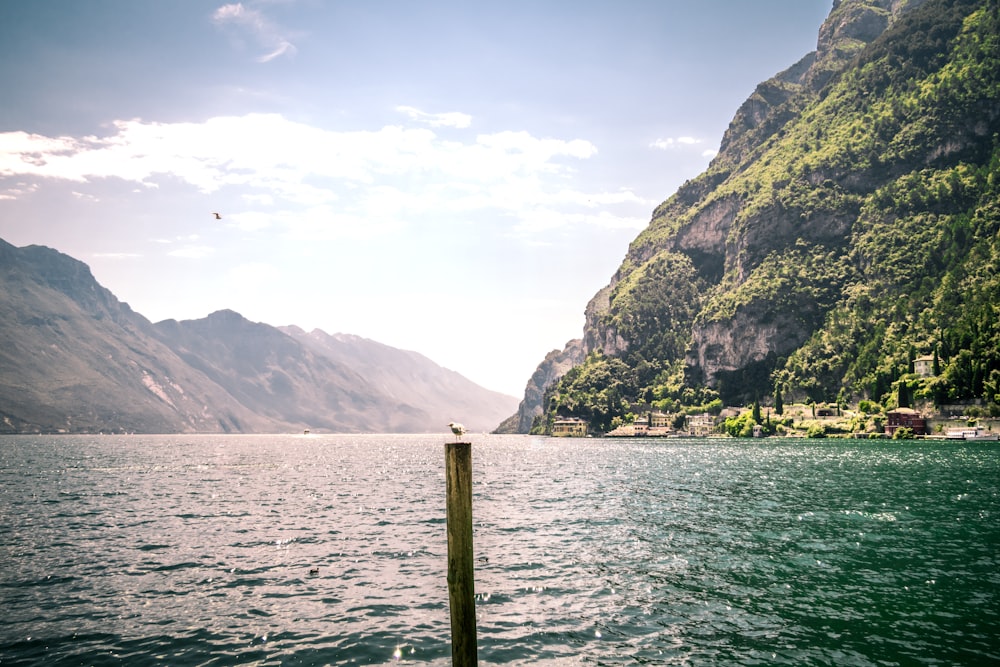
(449, 177)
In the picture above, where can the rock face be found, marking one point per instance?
(726, 237)
(744, 265)
(553, 367)
(75, 359)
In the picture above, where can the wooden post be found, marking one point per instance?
(461, 585)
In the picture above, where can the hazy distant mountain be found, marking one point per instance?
(400, 374)
(279, 378)
(75, 359)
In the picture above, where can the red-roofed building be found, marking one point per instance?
(905, 417)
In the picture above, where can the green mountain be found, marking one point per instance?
(848, 225)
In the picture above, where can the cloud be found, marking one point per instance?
(543, 219)
(324, 223)
(265, 33)
(284, 159)
(671, 142)
(310, 180)
(18, 190)
(449, 119)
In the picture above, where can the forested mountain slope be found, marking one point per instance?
(848, 224)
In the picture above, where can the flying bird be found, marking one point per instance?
(217, 216)
(457, 429)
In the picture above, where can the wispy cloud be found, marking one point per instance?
(448, 119)
(270, 37)
(17, 190)
(674, 142)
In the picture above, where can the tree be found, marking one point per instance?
(779, 404)
(739, 427)
(816, 431)
(902, 395)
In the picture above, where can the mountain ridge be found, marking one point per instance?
(76, 359)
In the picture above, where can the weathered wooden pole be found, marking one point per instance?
(461, 584)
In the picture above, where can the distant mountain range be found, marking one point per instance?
(75, 359)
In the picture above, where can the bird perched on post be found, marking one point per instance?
(457, 429)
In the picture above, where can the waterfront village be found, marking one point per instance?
(801, 421)
(867, 420)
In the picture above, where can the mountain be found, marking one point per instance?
(75, 359)
(848, 224)
(278, 378)
(552, 368)
(401, 375)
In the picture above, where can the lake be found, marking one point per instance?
(331, 549)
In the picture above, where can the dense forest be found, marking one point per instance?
(849, 225)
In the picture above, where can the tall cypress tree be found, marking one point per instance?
(902, 395)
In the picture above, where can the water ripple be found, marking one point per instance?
(216, 550)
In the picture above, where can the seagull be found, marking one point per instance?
(217, 216)
(457, 429)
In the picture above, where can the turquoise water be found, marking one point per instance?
(198, 550)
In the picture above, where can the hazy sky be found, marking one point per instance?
(451, 177)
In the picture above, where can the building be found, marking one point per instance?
(924, 366)
(569, 427)
(905, 417)
(659, 420)
(640, 426)
(701, 425)
(650, 425)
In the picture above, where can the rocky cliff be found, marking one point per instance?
(553, 367)
(858, 179)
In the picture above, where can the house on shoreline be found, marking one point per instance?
(905, 418)
(650, 425)
(569, 427)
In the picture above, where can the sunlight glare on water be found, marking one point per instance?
(213, 550)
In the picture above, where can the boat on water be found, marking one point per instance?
(970, 433)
